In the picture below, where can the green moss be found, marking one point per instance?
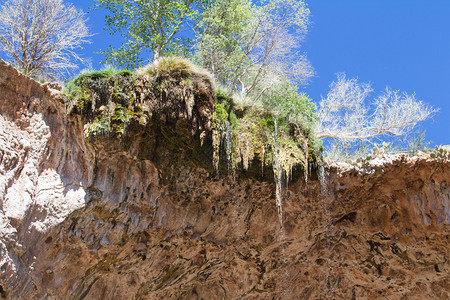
(115, 120)
(77, 87)
(225, 99)
(234, 121)
(125, 72)
(119, 120)
(220, 116)
(73, 91)
(106, 99)
(100, 126)
(253, 131)
(268, 122)
(93, 75)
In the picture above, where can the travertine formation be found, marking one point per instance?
(143, 220)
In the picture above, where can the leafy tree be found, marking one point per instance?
(41, 36)
(346, 114)
(291, 106)
(252, 47)
(146, 25)
(218, 35)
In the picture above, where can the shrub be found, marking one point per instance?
(441, 153)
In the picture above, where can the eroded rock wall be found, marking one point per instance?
(105, 220)
(44, 170)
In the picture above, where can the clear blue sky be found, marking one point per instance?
(401, 43)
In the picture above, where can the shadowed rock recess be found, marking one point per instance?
(139, 212)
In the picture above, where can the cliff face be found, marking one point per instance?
(141, 219)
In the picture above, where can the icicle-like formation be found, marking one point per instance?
(245, 155)
(263, 160)
(327, 199)
(277, 172)
(229, 144)
(306, 163)
(216, 137)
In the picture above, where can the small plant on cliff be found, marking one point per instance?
(173, 67)
(170, 65)
(40, 36)
(441, 153)
(100, 126)
(417, 142)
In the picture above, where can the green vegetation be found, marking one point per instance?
(78, 87)
(247, 132)
(111, 101)
(441, 153)
(417, 142)
(252, 49)
(170, 65)
(106, 99)
(147, 26)
(259, 114)
(173, 67)
(248, 47)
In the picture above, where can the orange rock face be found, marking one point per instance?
(105, 220)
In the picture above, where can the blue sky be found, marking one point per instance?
(404, 44)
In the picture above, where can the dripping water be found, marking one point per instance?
(327, 199)
(216, 136)
(277, 173)
(229, 145)
(278, 176)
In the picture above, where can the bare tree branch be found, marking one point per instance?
(41, 36)
(345, 114)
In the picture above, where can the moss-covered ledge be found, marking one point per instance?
(115, 102)
(175, 103)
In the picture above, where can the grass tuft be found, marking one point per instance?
(174, 67)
